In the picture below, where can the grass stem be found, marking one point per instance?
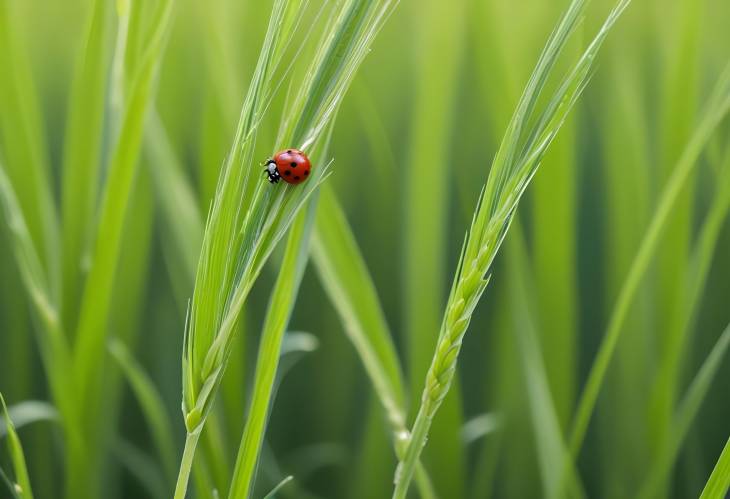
(191, 442)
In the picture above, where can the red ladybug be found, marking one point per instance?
(291, 164)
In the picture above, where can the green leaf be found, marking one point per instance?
(23, 146)
(281, 304)
(272, 494)
(82, 152)
(551, 448)
(716, 109)
(97, 294)
(152, 405)
(348, 284)
(719, 481)
(22, 482)
(28, 412)
(684, 417)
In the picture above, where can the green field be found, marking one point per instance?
(507, 275)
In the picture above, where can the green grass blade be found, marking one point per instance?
(719, 481)
(684, 417)
(153, 408)
(551, 447)
(239, 239)
(28, 412)
(24, 147)
(82, 153)
(142, 467)
(441, 37)
(54, 349)
(22, 482)
(96, 300)
(716, 108)
(515, 164)
(348, 284)
(278, 313)
(272, 494)
(182, 221)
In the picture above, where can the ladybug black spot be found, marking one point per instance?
(296, 177)
(306, 172)
(287, 173)
(293, 164)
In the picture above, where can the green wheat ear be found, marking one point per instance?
(528, 136)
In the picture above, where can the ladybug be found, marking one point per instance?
(290, 164)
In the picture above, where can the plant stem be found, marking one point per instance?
(191, 441)
(407, 465)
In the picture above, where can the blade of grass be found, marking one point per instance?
(122, 168)
(24, 146)
(281, 304)
(82, 153)
(628, 187)
(697, 270)
(717, 107)
(153, 408)
(272, 494)
(28, 412)
(54, 349)
(142, 467)
(516, 162)
(183, 223)
(22, 481)
(345, 278)
(719, 481)
(551, 447)
(440, 40)
(684, 417)
(239, 239)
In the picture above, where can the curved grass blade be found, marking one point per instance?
(29, 412)
(528, 136)
(22, 482)
(153, 408)
(684, 417)
(82, 153)
(717, 107)
(350, 288)
(719, 481)
(272, 494)
(551, 448)
(142, 467)
(96, 300)
(24, 146)
(278, 313)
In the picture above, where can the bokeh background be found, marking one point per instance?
(412, 148)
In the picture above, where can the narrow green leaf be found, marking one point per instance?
(272, 494)
(350, 288)
(153, 408)
(685, 416)
(716, 108)
(82, 153)
(719, 481)
(24, 147)
(278, 313)
(96, 300)
(28, 412)
(22, 481)
(551, 448)
(142, 467)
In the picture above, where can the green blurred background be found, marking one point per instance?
(412, 147)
